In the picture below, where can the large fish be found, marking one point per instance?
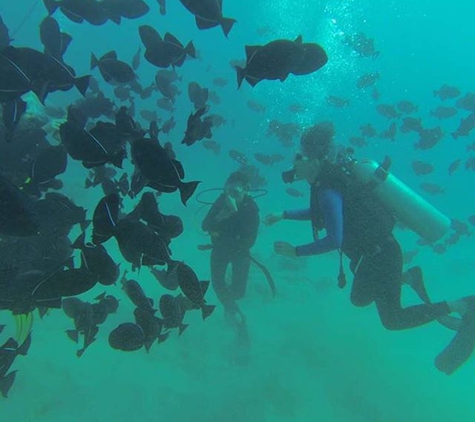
(79, 11)
(54, 41)
(278, 59)
(197, 128)
(112, 69)
(209, 14)
(163, 173)
(165, 52)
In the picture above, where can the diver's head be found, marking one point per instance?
(316, 145)
(317, 141)
(237, 186)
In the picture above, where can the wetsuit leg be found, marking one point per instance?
(219, 264)
(378, 278)
(240, 273)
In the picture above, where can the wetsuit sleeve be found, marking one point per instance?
(210, 223)
(331, 203)
(297, 214)
(249, 227)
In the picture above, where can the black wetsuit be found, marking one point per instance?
(232, 240)
(361, 227)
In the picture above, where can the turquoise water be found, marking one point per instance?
(313, 355)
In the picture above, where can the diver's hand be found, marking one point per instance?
(285, 249)
(229, 208)
(273, 218)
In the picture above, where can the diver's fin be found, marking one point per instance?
(460, 348)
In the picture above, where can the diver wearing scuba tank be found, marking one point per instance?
(232, 223)
(359, 222)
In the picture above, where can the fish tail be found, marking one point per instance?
(82, 84)
(94, 61)
(6, 383)
(207, 310)
(190, 50)
(51, 6)
(24, 324)
(241, 74)
(187, 190)
(227, 25)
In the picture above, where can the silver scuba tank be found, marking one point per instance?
(407, 206)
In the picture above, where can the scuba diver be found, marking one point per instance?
(359, 223)
(232, 222)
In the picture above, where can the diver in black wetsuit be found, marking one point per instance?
(232, 223)
(362, 229)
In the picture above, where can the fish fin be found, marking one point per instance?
(79, 243)
(73, 335)
(51, 6)
(187, 190)
(40, 89)
(241, 74)
(118, 158)
(115, 18)
(163, 337)
(25, 346)
(207, 310)
(205, 23)
(298, 40)
(251, 50)
(65, 41)
(82, 84)
(180, 62)
(190, 50)
(6, 383)
(182, 328)
(227, 25)
(100, 297)
(94, 61)
(252, 81)
(172, 39)
(111, 55)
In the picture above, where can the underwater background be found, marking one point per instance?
(313, 355)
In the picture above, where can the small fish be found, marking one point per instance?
(221, 82)
(368, 131)
(367, 80)
(429, 138)
(212, 146)
(467, 102)
(294, 192)
(465, 127)
(442, 112)
(127, 337)
(238, 156)
(337, 102)
(454, 166)
(411, 124)
(407, 107)
(447, 92)
(255, 106)
(421, 168)
(358, 141)
(432, 188)
(387, 110)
